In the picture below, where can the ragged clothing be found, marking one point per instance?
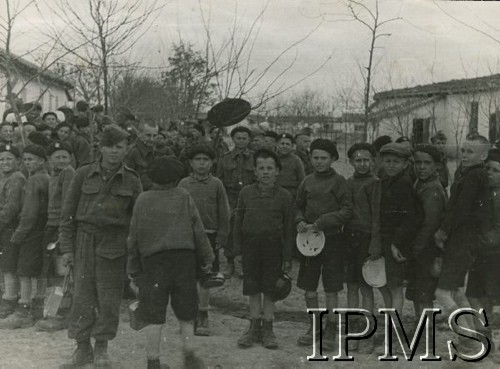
(11, 198)
(58, 188)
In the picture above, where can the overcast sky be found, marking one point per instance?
(425, 45)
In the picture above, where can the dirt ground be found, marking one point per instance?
(26, 348)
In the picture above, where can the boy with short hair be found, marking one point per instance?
(264, 234)
(292, 172)
(466, 218)
(323, 204)
(164, 268)
(302, 143)
(271, 140)
(24, 252)
(431, 202)
(210, 198)
(12, 184)
(358, 232)
(397, 219)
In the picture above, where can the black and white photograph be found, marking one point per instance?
(219, 184)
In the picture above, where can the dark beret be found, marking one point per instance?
(398, 149)
(81, 122)
(361, 146)
(286, 135)
(45, 115)
(97, 108)
(240, 129)
(113, 134)
(381, 141)
(493, 155)
(165, 170)
(201, 149)
(43, 127)
(61, 125)
(402, 139)
(12, 149)
(57, 145)
(325, 145)
(306, 131)
(271, 134)
(35, 150)
(82, 106)
(433, 151)
(38, 138)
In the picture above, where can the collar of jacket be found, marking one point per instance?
(472, 167)
(193, 179)
(427, 180)
(366, 175)
(39, 170)
(387, 178)
(235, 153)
(96, 169)
(329, 173)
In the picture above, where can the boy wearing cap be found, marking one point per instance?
(59, 154)
(482, 283)
(323, 204)
(466, 218)
(12, 183)
(302, 143)
(431, 202)
(210, 198)
(82, 142)
(271, 140)
(292, 172)
(25, 251)
(165, 241)
(235, 170)
(397, 219)
(263, 231)
(94, 226)
(358, 232)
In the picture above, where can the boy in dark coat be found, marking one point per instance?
(324, 204)
(431, 202)
(466, 217)
(292, 172)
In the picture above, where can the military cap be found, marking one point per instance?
(201, 149)
(361, 146)
(286, 135)
(271, 134)
(112, 135)
(10, 148)
(325, 145)
(36, 150)
(398, 149)
(57, 145)
(38, 138)
(431, 150)
(165, 169)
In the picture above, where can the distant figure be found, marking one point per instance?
(439, 140)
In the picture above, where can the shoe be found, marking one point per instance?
(228, 273)
(83, 355)
(37, 305)
(7, 307)
(21, 318)
(268, 337)
(191, 361)
(251, 335)
(201, 327)
(155, 364)
(51, 324)
(307, 338)
(101, 358)
(328, 338)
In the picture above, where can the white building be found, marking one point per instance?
(457, 107)
(31, 83)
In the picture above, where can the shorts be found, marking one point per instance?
(483, 278)
(216, 264)
(261, 259)
(168, 274)
(458, 257)
(356, 251)
(25, 259)
(395, 271)
(421, 284)
(51, 234)
(328, 265)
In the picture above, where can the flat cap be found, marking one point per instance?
(399, 149)
(112, 135)
(36, 150)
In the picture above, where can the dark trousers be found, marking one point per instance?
(98, 291)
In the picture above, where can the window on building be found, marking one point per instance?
(494, 127)
(473, 117)
(420, 132)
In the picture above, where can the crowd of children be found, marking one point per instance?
(87, 183)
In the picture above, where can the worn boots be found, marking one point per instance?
(82, 356)
(268, 336)
(21, 318)
(201, 327)
(252, 334)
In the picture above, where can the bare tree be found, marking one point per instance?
(372, 20)
(106, 29)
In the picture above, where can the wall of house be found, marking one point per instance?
(49, 96)
(451, 114)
